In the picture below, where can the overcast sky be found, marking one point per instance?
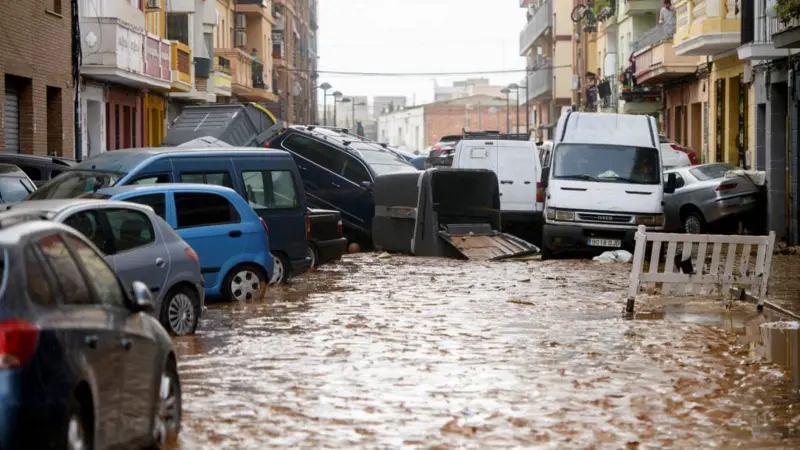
(416, 36)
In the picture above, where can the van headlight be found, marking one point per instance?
(560, 215)
(650, 220)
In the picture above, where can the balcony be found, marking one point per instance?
(181, 67)
(254, 7)
(757, 31)
(787, 34)
(707, 27)
(636, 7)
(222, 76)
(541, 22)
(655, 58)
(114, 52)
(247, 75)
(540, 84)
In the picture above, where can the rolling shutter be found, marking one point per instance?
(11, 120)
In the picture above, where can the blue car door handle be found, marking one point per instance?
(235, 233)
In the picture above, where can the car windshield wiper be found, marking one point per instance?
(584, 177)
(628, 180)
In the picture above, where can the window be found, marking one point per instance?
(607, 163)
(53, 174)
(70, 279)
(103, 279)
(131, 229)
(355, 171)
(151, 179)
(712, 171)
(34, 173)
(88, 224)
(316, 152)
(156, 201)
(215, 178)
(270, 189)
(201, 209)
(178, 27)
(14, 189)
(208, 40)
(39, 290)
(679, 181)
(53, 6)
(75, 183)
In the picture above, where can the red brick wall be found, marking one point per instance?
(441, 120)
(36, 47)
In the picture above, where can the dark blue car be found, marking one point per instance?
(82, 366)
(338, 171)
(267, 179)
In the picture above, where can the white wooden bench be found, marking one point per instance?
(720, 273)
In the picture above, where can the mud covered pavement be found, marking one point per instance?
(432, 353)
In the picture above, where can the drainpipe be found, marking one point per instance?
(76, 80)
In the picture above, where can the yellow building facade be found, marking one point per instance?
(155, 105)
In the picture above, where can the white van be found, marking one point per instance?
(515, 161)
(603, 181)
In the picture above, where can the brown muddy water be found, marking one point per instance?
(432, 353)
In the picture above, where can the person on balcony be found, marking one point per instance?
(666, 17)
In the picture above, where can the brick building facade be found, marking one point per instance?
(36, 94)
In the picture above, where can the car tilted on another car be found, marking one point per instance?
(228, 236)
(140, 246)
(81, 365)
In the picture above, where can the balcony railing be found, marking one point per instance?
(222, 65)
(700, 20)
(787, 32)
(541, 21)
(540, 83)
(241, 67)
(653, 36)
(181, 63)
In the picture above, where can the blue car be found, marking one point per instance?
(228, 236)
(417, 161)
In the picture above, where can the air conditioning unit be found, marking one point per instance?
(241, 39)
(153, 4)
(241, 21)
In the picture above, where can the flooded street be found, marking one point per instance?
(433, 353)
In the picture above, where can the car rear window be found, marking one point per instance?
(712, 171)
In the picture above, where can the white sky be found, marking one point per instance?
(417, 36)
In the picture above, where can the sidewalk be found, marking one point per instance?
(784, 282)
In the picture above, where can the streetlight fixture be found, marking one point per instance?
(325, 87)
(515, 87)
(337, 96)
(352, 101)
(507, 91)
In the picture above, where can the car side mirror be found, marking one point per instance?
(142, 297)
(366, 184)
(539, 143)
(669, 186)
(545, 176)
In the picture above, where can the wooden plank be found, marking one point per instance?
(694, 279)
(669, 265)
(701, 264)
(686, 252)
(638, 263)
(759, 269)
(708, 238)
(730, 259)
(762, 292)
(713, 269)
(655, 258)
(744, 262)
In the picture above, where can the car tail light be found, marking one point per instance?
(17, 343)
(539, 192)
(308, 227)
(726, 187)
(339, 228)
(191, 254)
(676, 147)
(264, 224)
(266, 144)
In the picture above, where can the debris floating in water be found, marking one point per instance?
(384, 255)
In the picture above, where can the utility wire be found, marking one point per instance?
(423, 74)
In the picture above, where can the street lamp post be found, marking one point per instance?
(352, 101)
(325, 87)
(507, 91)
(336, 99)
(515, 87)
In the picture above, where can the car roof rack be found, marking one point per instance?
(491, 134)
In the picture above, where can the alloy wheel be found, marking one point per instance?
(245, 285)
(180, 314)
(313, 256)
(167, 416)
(277, 271)
(692, 225)
(76, 435)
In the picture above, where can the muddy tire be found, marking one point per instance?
(313, 255)
(281, 269)
(167, 420)
(694, 223)
(79, 430)
(180, 311)
(546, 253)
(244, 282)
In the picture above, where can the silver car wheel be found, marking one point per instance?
(76, 436)
(180, 313)
(312, 255)
(245, 285)
(692, 225)
(277, 271)
(166, 420)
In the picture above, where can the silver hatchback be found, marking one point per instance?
(140, 246)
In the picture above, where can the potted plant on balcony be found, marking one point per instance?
(786, 10)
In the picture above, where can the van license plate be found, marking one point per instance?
(605, 243)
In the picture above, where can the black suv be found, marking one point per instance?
(40, 169)
(338, 169)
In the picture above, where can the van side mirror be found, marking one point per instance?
(539, 143)
(669, 186)
(545, 176)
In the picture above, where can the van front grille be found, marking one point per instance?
(605, 218)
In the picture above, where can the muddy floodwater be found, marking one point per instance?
(432, 353)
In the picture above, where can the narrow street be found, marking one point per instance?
(433, 353)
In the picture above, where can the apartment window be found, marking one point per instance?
(178, 27)
(53, 6)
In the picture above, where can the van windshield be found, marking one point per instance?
(75, 183)
(607, 163)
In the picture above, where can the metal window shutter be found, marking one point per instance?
(11, 120)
